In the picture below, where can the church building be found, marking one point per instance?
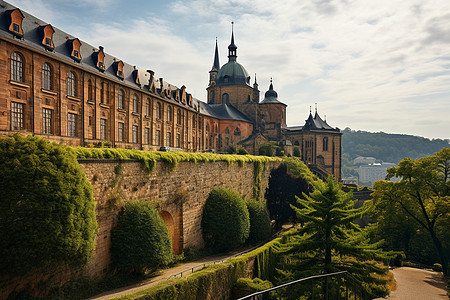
(57, 86)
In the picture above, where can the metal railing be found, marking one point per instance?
(352, 289)
(191, 270)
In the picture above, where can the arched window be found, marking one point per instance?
(147, 107)
(135, 103)
(227, 130)
(207, 126)
(158, 110)
(325, 144)
(72, 84)
(296, 143)
(237, 132)
(225, 98)
(16, 67)
(90, 90)
(169, 114)
(179, 116)
(46, 77)
(120, 100)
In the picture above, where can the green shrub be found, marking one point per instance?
(255, 285)
(259, 221)
(140, 241)
(296, 152)
(437, 267)
(47, 211)
(225, 220)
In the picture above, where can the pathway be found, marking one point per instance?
(155, 280)
(418, 284)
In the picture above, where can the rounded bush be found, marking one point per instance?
(225, 220)
(259, 221)
(140, 240)
(47, 211)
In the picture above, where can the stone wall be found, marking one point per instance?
(178, 194)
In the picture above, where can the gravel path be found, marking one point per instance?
(418, 284)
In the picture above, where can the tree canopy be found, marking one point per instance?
(423, 194)
(47, 210)
(329, 241)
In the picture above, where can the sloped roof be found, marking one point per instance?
(223, 112)
(32, 39)
(316, 123)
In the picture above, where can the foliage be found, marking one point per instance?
(329, 241)
(423, 194)
(214, 278)
(140, 240)
(296, 152)
(225, 220)
(290, 179)
(386, 147)
(236, 149)
(47, 211)
(252, 285)
(171, 159)
(259, 221)
(268, 149)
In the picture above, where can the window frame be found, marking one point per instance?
(17, 116)
(46, 76)
(71, 124)
(17, 63)
(71, 84)
(47, 121)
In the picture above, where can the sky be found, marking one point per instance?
(374, 65)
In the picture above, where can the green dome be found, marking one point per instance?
(233, 73)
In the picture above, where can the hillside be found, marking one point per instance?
(385, 146)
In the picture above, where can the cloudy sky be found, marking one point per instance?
(375, 65)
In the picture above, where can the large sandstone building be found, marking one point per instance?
(57, 86)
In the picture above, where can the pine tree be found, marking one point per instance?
(330, 241)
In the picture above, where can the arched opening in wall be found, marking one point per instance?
(168, 220)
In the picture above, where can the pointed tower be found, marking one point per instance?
(213, 75)
(255, 92)
(215, 67)
(232, 48)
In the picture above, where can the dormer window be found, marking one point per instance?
(136, 77)
(99, 59)
(119, 69)
(15, 26)
(74, 47)
(47, 36)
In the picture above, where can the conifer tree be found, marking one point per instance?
(330, 241)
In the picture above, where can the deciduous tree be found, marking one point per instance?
(423, 193)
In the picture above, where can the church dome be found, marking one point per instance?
(271, 97)
(233, 73)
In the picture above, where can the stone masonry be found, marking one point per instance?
(179, 196)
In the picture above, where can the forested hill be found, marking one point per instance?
(388, 147)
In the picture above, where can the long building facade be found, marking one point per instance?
(56, 86)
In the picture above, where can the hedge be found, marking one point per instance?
(214, 278)
(140, 240)
(47, 210)
(259, 221)
(225, 220)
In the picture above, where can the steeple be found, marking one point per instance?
(216, 64)
(215, 67)
(255, 92)
(232, 53)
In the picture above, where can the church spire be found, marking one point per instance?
(216, 64)
(232, 53)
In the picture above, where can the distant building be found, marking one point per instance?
(350, 180)
(368, 174)
(361, 160)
